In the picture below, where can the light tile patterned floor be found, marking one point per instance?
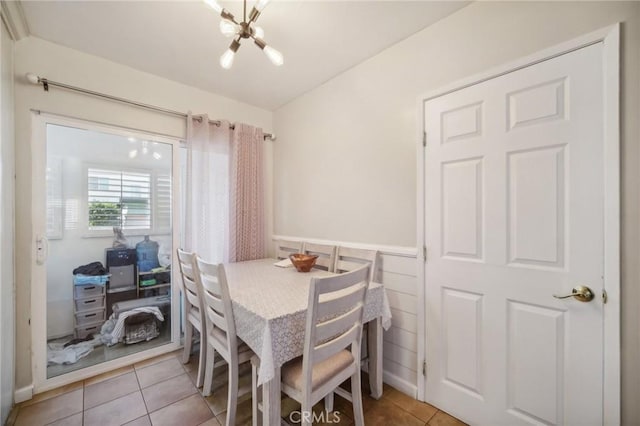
(161, 391)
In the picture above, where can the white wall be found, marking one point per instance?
(76, 68)
(345, 161)
(7, 171)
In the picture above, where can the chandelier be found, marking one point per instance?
(245, 29)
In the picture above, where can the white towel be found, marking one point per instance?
(284, 263)
(58, 354)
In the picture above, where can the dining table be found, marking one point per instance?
(270, 312)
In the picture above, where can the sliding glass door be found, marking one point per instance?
(104, 292)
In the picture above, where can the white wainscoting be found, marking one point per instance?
(397, 272)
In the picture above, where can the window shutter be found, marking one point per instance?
(163, 202)
(118, 198)
(54, 198)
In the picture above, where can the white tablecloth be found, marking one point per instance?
(270, 309)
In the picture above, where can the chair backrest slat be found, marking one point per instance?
(285, 247)
(334, 306)
(215, 315)
(193, 298)
(341, 282)
(326, 255)
(209, 279)
(337, 325)
(332, 347)
(214, 302)
(348, 259)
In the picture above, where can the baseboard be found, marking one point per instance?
(400, 384)
(23, 394)
(394, 381)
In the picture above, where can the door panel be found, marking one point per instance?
(536, 207)
(462, 123)
(463, 347)
(514, 215)
(537, 104)
(530, 397)
(462, 209)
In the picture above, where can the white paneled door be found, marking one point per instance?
(514, 178)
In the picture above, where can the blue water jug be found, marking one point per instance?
(147, 252)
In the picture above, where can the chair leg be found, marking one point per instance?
(356, 399)
(364, 345)
(306, 413)
(328, 403)
(202, 359)
(255, 412)
(232, 400)
(207, 386)
(188, 340)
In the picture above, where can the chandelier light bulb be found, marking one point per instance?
(213, 4)
(226, 60)
(228, 28)
(273, 55)
(261, 5)
(258, 32)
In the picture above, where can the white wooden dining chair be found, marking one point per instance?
(285, 247)
(326, 255)
(331, 348)
(221, 332)
(349, 259)
(193, 314)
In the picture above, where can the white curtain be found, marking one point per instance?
(206, 211)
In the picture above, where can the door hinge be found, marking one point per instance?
(424, 138)
(424, 368)
(424, 253)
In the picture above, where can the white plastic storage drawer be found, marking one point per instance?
(89, 303)
(89, 290)
(89, 317)
(84, 330)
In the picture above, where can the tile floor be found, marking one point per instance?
(161, 391)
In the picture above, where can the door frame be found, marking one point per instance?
(40, 382)
(610, 38)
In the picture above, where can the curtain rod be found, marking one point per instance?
(34, 79)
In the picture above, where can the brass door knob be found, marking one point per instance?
(581, 293)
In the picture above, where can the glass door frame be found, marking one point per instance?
(39, 248)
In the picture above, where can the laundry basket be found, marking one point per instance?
(141, 327)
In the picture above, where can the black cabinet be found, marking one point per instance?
(123, 282)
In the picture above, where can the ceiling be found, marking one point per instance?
(180, 40)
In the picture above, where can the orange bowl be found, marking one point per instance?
(303, 262)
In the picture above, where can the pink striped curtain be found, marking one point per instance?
(246, 204)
